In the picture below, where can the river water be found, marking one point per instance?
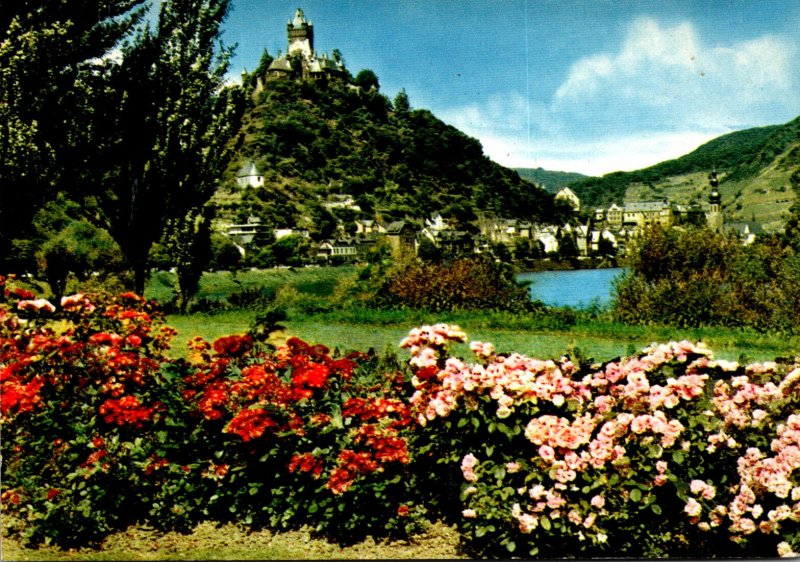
(578, 288)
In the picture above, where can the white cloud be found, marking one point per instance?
(667, 77)
(659, 96)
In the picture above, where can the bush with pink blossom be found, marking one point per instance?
(665, 453)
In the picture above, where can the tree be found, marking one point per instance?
(188, 243)
(79, 248)
(51, 60)
(402, 105)
(170, 121)
(263, 67)
(367, 80)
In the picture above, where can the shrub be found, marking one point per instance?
(665, 453)
(466, 283)
(696, 277)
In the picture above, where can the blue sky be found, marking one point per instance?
(586, 86)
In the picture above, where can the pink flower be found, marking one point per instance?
(598, 501)
(469, 514)
(36, 305)
(693, 508)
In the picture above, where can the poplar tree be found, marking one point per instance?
(170, 122)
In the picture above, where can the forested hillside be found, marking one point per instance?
(550, 181)
(312, 141)
(759, 170)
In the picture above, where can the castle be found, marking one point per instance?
(301, 59)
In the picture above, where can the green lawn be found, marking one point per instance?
(361, 329)
(600, 340)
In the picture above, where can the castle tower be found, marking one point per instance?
(714, 214)
(301, 35)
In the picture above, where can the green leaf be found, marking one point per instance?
(636, 495)
(480, 531)
(511, 546)
(655, 508)
(545, 523)
(678, 457)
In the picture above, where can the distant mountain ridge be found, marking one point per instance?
(551, 181)
(759, 170)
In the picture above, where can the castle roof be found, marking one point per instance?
(299, 18)
(281, 64)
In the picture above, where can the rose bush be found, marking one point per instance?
(100, 429)
(665, 453)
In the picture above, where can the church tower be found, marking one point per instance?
(301, 35)
(714, 214)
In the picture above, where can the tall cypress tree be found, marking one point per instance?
(170, 122)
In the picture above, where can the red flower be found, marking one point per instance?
(250, 424)
(51, 493)
(306, 462)
(233, 346)
(24, 294)
(127, 411)
(312, 375)
(402, 511)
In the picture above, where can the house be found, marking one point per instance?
(284, 232)
(436, 223)
(402, 237)
(566, 194)
(337, 250)
(365, 227)
(644, 213)
(547, 237)
(244, 235)
(745, 231)
(249, 176)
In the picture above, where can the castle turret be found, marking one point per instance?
(301, 34)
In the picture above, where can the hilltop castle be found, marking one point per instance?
(301, 59)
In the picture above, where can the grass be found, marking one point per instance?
(360, 329)
(209, 541)
(598, 339)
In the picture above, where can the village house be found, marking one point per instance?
(338, 250)
(566, 194)
(249, 176)
(284, 232)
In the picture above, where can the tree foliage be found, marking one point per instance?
(170, 120)
(319, 139)
(51, 61)
(696, 277)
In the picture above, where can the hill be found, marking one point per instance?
(759, 172)
(549, 180)
(320, 142)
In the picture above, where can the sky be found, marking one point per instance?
(571, 85)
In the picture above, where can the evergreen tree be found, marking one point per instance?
(170, 124)
(402, 105)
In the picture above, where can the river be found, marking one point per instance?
(576, 288)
